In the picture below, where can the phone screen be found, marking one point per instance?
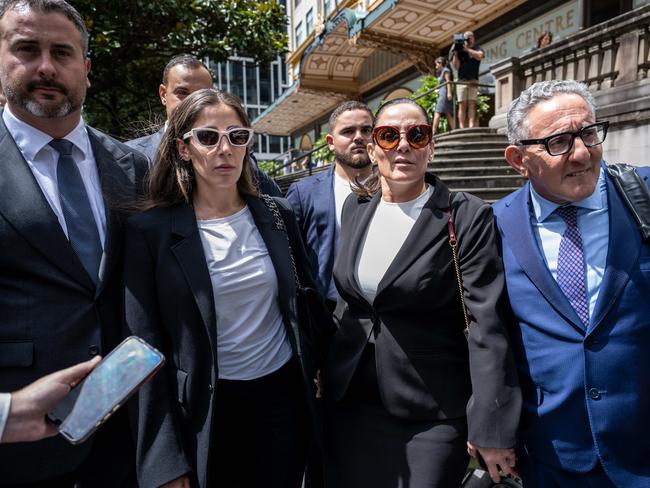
(113, 380)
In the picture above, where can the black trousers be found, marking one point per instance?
(262, 431)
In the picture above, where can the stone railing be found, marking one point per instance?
(612, 58)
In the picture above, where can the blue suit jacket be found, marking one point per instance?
(312, 200)
(586, 393)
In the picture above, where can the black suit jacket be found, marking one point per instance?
(52, 314)
(426, 368)
(169, 303)
(148, 145)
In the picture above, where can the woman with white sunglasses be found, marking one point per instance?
(404, 389)
(209, 282)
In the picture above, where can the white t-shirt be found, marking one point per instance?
(251, 339)
(386, 234)
(342, 189)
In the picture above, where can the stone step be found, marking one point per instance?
(473, 170)
(490, 181)
(468, 146)
(474, 153)
(468, 162)
(453, 136)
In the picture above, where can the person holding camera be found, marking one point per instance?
(466, 57)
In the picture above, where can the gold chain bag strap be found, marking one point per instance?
(453, 243)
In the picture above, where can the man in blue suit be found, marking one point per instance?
(578, 278)
(318, 200)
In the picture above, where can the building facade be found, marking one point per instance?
(375, 50)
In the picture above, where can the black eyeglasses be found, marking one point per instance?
(239, 136)
(558, 144)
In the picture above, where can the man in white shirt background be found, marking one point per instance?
(63, 190)
(318, 200)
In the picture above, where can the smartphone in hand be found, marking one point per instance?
(120, 374)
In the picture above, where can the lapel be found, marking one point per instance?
(25, 207)
(354, 238)
(518, 234)
(188, 250)
(431, 222)
(276, 243)
(117, 179)
(622, 253)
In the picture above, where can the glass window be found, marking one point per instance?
(251, 84)
(309, 21)
(252, 113)
(223, 76)
(265, 85)
(327, 7)
(299, 36)
(237, 79)
(275, 145)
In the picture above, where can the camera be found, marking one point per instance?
(459, 41)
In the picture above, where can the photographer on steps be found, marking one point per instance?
(466, 57)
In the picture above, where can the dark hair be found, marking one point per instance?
(186, 60)
(444, 62)
(345, 107)
(373, 184)
(51, 6)
(542, 36)
(172, 178)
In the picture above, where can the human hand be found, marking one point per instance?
(495, 458)
(29, 406)
(182, 482)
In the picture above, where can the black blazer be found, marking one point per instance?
(426, 368)
(52, 314)
(169, 303)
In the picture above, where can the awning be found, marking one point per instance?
(357, 50)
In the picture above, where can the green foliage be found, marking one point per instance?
(132, 40)
(325, 153)
(426, 96)
(271, 167)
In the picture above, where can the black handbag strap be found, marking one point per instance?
(453, 243)
(635, 194)
(272, 205)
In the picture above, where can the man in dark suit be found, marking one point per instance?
(185, 74)
(578, 278)
(64, 187)
(318, 200)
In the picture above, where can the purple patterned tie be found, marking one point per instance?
(571, 264)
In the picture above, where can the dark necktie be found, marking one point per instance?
(571, 264)
(79, 219)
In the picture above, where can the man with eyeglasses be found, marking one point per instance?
(578, 278)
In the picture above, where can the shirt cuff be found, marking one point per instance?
(5, 404)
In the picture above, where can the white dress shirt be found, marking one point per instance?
(43, 159)
(593, 222)
(5, 403)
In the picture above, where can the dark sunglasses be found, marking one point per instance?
(239, 136)
(387, 137)
(558, 144)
